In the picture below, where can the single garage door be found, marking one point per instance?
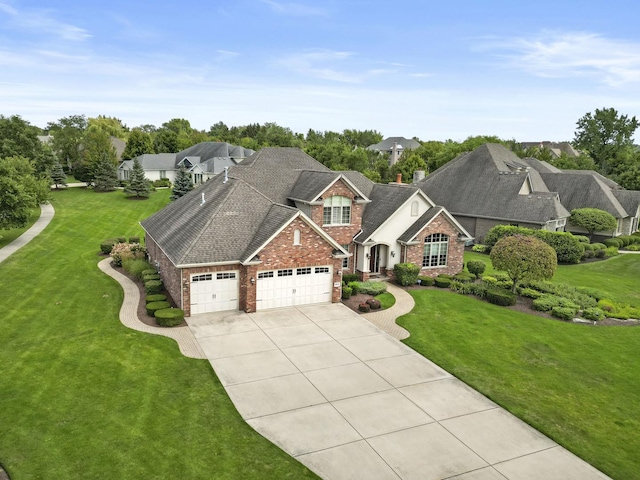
(293, 286)
(214, 292)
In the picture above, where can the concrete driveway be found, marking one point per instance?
(351, 402)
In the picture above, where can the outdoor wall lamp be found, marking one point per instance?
(253, 281)
(393, 253)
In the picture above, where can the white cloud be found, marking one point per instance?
(294, 9)
(322, 65)
(39, 21)
(573, 54)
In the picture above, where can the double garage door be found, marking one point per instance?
(293, 286)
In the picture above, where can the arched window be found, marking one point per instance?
(414, 208)
(337, 211)
(296, 237)
(436, 247)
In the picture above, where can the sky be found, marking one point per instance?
(432, 70)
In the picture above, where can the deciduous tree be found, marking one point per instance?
(593, 220)
(524, 258)
(68, 133)
(138, 143)
(21, 191)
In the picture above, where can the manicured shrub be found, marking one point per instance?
(500, 231)
(477, 289)
(406, 273)
(121, 239)
(157, 297)
(346, 292)
(162, 182)
(634, 247)
(151, 276)
(612, 242)
(564, 313)
(591, 292)
(169, 317)
(501, 297)
(124, 251)
(425, 281)
(372, 288)
(135, 239)
(611, 252)
(153, 306)
(547, 302)
(588, 246)
(588, 254)
(107, 245)
(593, 313)
(349, 277)
(149, 271)
(582, 238)
(355, 287)
(442, 282)
(477, 267)
(598, 246)
(373, 303)
(464, 277)
(446, 275)
(568, 248)
(153, 286)
(480, 248)
(135, 266)
(530, 293)
(364, 307)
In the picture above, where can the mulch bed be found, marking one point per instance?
(356, 300)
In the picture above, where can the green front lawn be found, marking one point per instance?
(83, 397)
(8, 236)
(578, 384)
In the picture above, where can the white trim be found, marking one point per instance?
(351, 186)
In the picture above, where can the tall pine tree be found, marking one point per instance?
(183, 184)
(138, 185)
(58, 177)
(105, 176)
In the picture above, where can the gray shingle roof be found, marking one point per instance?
(629, 199)
(486, 183)
(361, 182)
(419, 224)
(540, 166)
(312, 183)
(385, 200)
(208, 150)
(156, 161)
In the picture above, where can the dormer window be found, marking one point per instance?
(296, 237)
(337, 211)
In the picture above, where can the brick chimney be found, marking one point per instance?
(399, 179)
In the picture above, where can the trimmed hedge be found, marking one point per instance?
(149, 271)
(349, 277)
(406, 273)
(476, 267)
(151, 276)
(478, 247)
(593, 313)
(153, 306)
(500, 297)
(464, 277)
(530, 293)
(153, 286)
(564, 313)
(548, 302)
(157, 297)
(135, 239)
(582, 238)
(355, 287)
(346, 292)
(107, 245)
(169, 317)
(442, 282)
(425, 281)
(372, 288)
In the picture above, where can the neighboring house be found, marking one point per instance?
(280, 229)
(203, 161)
(492, 186)
(556, 148)
(394, 146)
(589, 189)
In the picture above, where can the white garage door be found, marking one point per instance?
(293, 286)
(214, 292)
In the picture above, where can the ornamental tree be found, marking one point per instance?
(593, 220)
(138, 185)
(524, 258)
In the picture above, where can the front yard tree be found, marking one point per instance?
(524, 258)
(182, 185)
(105, 175)
(21, 191)
(58, 177)
(96, 148)
(68, 134)
(138, 185)
(593, 220)
(138, 143)
(605, 134)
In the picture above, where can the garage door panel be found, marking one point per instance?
(289, 287)
(214, 292)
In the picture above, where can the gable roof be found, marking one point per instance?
(387, 144)
(409, 235)
(205, 151)
(311, 184)
(487, 183)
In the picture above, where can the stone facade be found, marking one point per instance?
(455, 254)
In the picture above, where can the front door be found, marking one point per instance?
(374, 259)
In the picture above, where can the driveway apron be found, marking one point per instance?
(351, 402)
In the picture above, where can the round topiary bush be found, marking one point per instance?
(346, 292)
(153, 306)
(169, 317)
(158, 297)
(442, 282)
(477, 267)
(153, 286)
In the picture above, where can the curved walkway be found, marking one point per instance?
(129, 315)
(46, 215)
(386, 319)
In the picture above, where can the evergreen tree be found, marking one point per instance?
(58, 176)
(105, 175)
(138, 185)
(182, 185)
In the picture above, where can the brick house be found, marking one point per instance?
(280, 229)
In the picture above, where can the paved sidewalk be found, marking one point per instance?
(386, 319)
(46, 214)
(350, 401)
(129, 315)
